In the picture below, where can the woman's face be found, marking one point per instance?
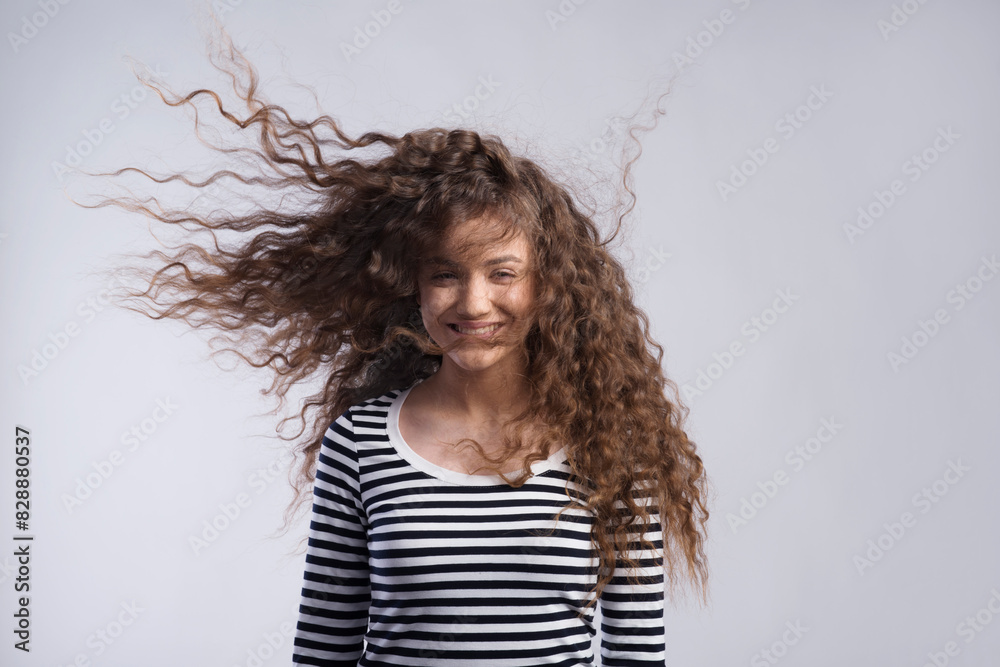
(471, 301)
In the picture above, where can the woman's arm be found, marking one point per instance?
(632, 631)
(333, 615)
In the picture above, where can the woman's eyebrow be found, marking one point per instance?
(441, 261)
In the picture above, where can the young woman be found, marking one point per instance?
(494, 458)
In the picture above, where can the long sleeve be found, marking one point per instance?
(333, 614)
(632, 630)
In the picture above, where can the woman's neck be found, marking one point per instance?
(490, 396)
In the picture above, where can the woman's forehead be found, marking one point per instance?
(479, 236)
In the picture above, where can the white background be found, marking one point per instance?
(560, 75)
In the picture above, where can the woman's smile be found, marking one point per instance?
(478, 332)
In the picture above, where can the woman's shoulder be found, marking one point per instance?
(374, 407)
(383, 401)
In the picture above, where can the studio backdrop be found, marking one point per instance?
(814, 239)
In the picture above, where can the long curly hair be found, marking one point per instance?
(328, 290)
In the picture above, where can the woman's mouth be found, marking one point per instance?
(482, 332)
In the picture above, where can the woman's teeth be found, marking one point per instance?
(475, 332)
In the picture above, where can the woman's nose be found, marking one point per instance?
(474, 298)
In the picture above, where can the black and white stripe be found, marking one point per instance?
(412, 564)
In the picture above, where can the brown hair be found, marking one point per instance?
(328, 289)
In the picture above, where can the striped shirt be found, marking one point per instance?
(409, 563)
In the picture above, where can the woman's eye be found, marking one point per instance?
(446, 275)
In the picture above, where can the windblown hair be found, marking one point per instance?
(329, 291)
